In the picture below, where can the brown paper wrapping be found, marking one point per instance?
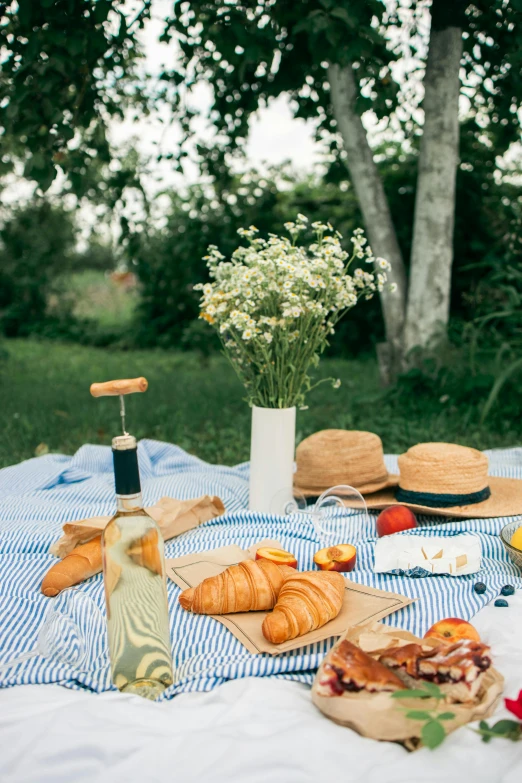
(361, 604)
(379, 716)
(173, 517)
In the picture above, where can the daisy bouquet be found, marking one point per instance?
(276, 302)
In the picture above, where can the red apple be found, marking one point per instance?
(394, 519)
(277, 556)
(336, 558)
(452, 630)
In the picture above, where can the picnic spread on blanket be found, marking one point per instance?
(374, 613)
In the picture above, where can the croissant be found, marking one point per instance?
(307, 601)
(248, 586)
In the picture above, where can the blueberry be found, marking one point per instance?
(480, 588)
(508, 590)
(501, 602)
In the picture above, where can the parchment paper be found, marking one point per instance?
(380, 717)
(361, 603)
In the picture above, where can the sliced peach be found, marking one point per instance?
(336, 558)
(452, 630)
(278, 556)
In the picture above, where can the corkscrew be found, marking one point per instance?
(119, 389)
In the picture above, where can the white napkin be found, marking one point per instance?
(454, 556)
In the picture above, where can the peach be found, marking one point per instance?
(277, 556)
(451, 630)
(336, 558)
(394, 519)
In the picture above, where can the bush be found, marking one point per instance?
(36, 247)
(169, 260)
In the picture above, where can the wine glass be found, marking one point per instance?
(73, 632)
(335, 511)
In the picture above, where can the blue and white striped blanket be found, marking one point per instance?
(39, 495)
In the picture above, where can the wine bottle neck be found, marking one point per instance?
(126, 471)
(129, 503)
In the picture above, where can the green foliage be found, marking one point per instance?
(509, 729)
(486, 272)
(433, 732)
(492, 61)
(448, 380)
(485, 367)
(169, 261)
(36, 248)
(103, 309)
(251, 52)
(72, 65)
(198, 404)
(69, 67)
(97, 256)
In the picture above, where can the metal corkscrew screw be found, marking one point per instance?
(119, 389)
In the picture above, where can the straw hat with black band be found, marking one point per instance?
(449, 480)
(332, 457)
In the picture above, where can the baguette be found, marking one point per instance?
(84, 561)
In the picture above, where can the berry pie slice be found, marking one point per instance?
(458, 669)
(347, 668)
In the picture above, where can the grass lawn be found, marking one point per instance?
(45, 404)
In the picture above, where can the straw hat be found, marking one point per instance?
(332, 457)
(451, 481)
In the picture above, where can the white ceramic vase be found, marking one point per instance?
(272, 449)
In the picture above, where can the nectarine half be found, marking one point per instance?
(277, 556)
(336, 558)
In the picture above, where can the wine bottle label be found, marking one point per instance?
(126, 472)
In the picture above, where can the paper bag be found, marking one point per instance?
(173, 517)
(379, 716)
(360, 605)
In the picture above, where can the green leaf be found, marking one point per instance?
(101, 11)
(418, 715)
(342, 13)
(433, 734)
(510, 729)
(433, 690)
(497, 386)
(446, 716)
(75, 45)
(414, 693)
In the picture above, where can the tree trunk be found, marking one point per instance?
(375, 210)
(432, 249)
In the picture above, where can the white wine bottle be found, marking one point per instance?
(134, 575)
(135, 588)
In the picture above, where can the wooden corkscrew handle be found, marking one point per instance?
(116, 388)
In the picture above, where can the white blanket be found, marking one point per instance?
(250, 730)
